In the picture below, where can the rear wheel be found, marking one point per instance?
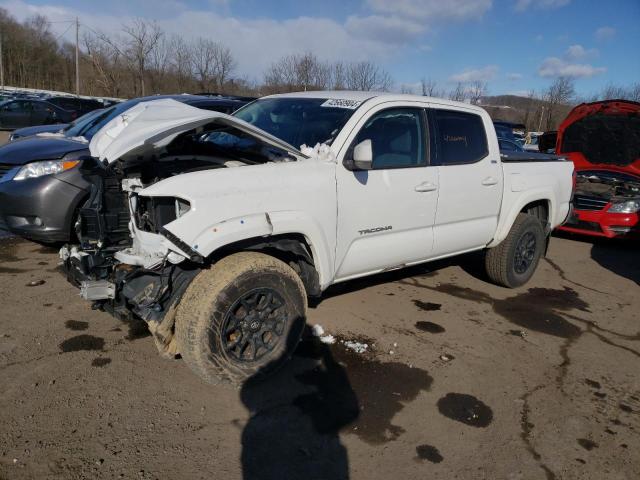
(241, 318)
(513, 262)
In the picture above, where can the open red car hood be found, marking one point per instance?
(602, 135)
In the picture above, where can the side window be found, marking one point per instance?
(397, 138)
(507, 146)
(16, 106)
(461, 137)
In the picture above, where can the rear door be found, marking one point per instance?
(386, 215)
(470, 178)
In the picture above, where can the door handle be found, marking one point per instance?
(487, 182)
(426, 187)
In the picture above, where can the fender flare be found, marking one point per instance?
(509, 216)
(267, 224)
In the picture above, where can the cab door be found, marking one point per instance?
(386, 214)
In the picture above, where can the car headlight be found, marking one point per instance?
(630, 206)
(47, 167)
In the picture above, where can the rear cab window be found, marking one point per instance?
(460, 137)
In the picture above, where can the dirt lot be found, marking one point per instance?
(483, 382)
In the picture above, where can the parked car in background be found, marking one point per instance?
(24, 113)
(531, 141)
(55, 128)
(547, 142)
(215, 229)
(509, 146)
(75, 104)
(603, 141)
(509, 130)
(41, 188)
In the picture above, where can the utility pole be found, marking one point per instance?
(1, 65)
(77, 59)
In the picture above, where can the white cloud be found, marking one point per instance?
(471, 75)
(388, 29)
(522, 5)
(557, 67)
(605, 33)
(577, 52)
(432, 9)
(255, 43)
(514, 76)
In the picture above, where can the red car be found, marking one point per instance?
(603, 141)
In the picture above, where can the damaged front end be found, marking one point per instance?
(114, 269)
(127, 261)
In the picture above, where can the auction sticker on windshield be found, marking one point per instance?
(342, 103)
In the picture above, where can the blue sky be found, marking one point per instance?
(514, 45)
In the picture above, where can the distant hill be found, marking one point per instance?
(513, 108)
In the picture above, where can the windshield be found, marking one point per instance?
(90, 128)
(75, 127)
(299, 121)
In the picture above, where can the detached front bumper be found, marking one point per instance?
(603, 224)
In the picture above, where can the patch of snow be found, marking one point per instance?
(320, 152)
(355, 346)
(317, 330)
(50, 134)
(328, 339)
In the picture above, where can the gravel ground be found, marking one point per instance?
(459, 379)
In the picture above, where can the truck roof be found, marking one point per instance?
(379, 96)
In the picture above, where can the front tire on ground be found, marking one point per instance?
(241, 318)
(513, 262)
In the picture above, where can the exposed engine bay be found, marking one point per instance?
(607, 185)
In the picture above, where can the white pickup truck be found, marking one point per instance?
(215, 229)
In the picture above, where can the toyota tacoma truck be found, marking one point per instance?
(215, 229)
(603, 141)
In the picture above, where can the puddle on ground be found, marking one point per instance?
(428, 452)
(357, 391)
(137, 329)
(466, 409)
(592, 383)
(534, 309)
(429, 327)
(100, 362)
(625, 408)
(82, 342)
(76, 325)
(427, 306)
(35, 283)
(587, 444)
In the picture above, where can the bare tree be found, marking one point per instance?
(298, 72)
(477, 89)
(459, 93)
(107, 62)
(142, 38)
(529, 110)
(367, 76)
(429, 87)
(560, 92)
(339, 76)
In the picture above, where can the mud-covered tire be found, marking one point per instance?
(513, 262)
(220, 297)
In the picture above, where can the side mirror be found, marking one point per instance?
(362, 157)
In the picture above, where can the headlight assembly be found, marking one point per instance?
(47, 167)
(629, 206)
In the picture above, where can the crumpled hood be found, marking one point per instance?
(31, 149)
(150, 125)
